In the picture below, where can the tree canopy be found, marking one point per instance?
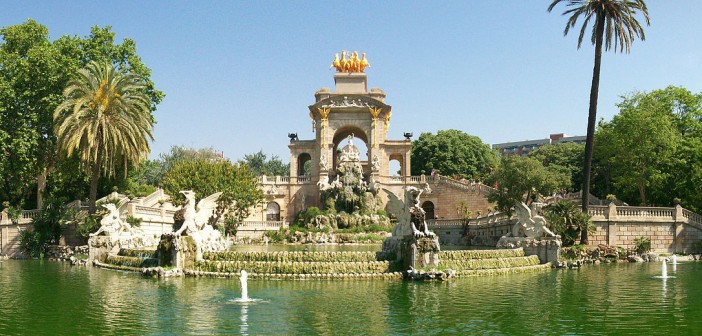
(566, 157)
(523, 179)
(261, 165)
(453, 152)
(239, 187)
(651, 151)
(33, 74)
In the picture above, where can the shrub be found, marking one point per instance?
(565, 219)
(134, 221)
(642, 245)
(48, 227)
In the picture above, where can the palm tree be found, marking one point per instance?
(614, 25)
(106, 119)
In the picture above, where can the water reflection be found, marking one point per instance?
(597, 299)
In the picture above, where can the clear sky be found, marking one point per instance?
(239, 75)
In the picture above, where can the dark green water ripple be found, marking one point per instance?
(52, 298)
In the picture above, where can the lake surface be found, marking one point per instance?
(43, 297)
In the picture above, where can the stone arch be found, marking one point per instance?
(272, 211)
(393, 168)
(303, 159)
(341, 134)
(428, 207)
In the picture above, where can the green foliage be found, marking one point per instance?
(292, 256)
(134, 221)
(567, 220)
(48, 227)
(305, 216)
(453, 153)
(14, 213)
(566, 157)
(280, 267)
(522, 179)
(666, 160)
(261, 165)
(33, 74)
(642, 245)
(239, 187)
(89, 225)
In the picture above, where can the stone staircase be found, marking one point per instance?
(131, 259)
(489, 262)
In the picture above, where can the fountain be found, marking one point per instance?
(664, 272)
(244, 289)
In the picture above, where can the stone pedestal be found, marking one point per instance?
(421, 253)
(99, 247)
(351, 82)
(547, 248)
(177, 251)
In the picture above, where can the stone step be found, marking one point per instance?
(292, 256)
(492, 263)
(503, 271)
(480, 254)
(287, 267)
(138, 253)
(119, 260)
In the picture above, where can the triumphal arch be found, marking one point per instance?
(349, 114)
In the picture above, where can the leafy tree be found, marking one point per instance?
(239, 187)
(523, 179)
(106, 118)
(453, 152)
(564, 156)
(33, 74)
(651, 151)
(179, 154)
(614, 21)
(261, 165)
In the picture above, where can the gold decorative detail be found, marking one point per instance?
(375, 112)
(324, 112)
(353, 64)
(387, 122)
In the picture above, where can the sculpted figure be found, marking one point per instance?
(111, 224)
(323, 183)
(410, 216)
(364, 63)
(375, 164)
(336, 63)
(528, 224)
(197, 220)
(323, 164)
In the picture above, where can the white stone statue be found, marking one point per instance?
(375, 163)
(197, 220)
(323, 183)
(323, 164)
(529, 224)
(410, 215)
(111, 224)
(196, 224)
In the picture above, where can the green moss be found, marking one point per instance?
(476, 264)
(480, 254)
(292, 256)
(131, 261)
(293, 267)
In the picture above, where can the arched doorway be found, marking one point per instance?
(428, 207)
(360, 141)
(304, 164)
(273, 211)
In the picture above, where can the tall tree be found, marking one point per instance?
(453, 153)
(563, 156)
(615, 25)
(106, 117)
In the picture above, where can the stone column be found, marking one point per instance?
(610, 214)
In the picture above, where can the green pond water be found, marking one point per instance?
(54, 298)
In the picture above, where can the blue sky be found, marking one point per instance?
(239, 75)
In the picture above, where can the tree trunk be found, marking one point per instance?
(95, 175)
(592, 119)
(41, 185)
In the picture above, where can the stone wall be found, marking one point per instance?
(671, 230)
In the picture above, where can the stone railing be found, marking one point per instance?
(633, 213)
(692, 217)
(262, 225)
(445, 223)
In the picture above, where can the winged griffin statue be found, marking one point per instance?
(410, 216)
(196, 224)
(197, 220)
